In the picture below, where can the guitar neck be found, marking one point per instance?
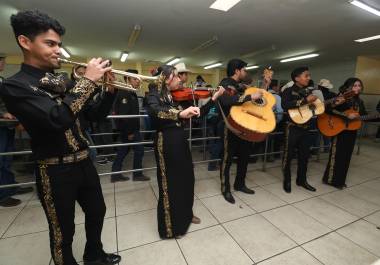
(370, 116)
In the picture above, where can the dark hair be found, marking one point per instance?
(298, 71)
(200, 78)
(164, 71)
(350, 83)
(235, 64)
(33, 22)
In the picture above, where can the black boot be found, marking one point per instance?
(287, 186)
(244, 189)
(306, 186)
(118, 177)
(106, 259)
(228, 197)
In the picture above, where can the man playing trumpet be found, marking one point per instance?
(40, 100)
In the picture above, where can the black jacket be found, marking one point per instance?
(127, 103)
(50, 119)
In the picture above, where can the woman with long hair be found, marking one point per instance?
(175, 173)
(342, 145)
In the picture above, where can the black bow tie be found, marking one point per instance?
(56, 83)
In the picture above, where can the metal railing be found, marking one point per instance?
(204, 139)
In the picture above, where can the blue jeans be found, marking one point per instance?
(216, 146)
(122, 152)
(7, 138)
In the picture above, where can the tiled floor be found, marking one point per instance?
(328, 227)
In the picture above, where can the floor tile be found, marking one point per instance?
(259, 238)
(164, 252)
(364, 234)
(32, 249)
(295, 223)
(262, 200)
(135, 201)
(30, 220)
(199, 248)
(334, 249)
(137, 229)
(225, 211)
(297, 194)
(297, 256)
(326, 213)
(374, 218)
(206, 188)
(204, 214)
(365, 193)
(6, 218)
(262, 178)
(350, 203)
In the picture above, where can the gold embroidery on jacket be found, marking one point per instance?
(51, 216)
(171, 114)
(73, 143)
(84, 88)
(164, 183)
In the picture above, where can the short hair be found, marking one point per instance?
(298, 71)
(235, 64)
(31, 23)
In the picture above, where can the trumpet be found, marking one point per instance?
(116, 84)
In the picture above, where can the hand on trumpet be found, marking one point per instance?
(96, 69)
(109, 78)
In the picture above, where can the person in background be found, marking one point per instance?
(7, 138)
(325, 86)
(275, 141)
(199, 81)
(127, 103)
(377, 139)
(183, 74)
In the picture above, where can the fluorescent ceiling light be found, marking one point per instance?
(65, 53)
(134, 35)
(124, 56)
(206, 44)
(173, 61)
(365, 7)
(212, 65)
(251, 67)
(369, 38)
(300, 57)
(224, 5)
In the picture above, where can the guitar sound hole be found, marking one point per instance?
(259, 102)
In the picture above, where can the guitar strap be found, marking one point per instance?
(228, 125)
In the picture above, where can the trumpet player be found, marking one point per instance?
(127, 103)
(49, 112)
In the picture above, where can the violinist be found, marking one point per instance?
(175, 173)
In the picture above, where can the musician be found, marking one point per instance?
(297, 136)
(233, 144)
(127, 103)
(343, 144)
(183, 74)
(175, 173)
(64, 173)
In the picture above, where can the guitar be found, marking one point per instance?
(253, 120)
(305, 112)
(332, 125)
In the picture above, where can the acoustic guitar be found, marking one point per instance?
(253, 120)
(304, 113)
(331, 125)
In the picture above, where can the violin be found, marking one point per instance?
(189, 94)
